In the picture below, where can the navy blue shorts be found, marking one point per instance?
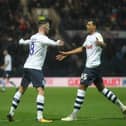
(33, 76)
(6, 74)
(91, 75)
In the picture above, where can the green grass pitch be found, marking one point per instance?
(96, 111)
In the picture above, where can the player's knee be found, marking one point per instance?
(40, 90)
(83, 87)
(100, 88)
(21, 89)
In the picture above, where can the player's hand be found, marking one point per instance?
(1, 67)
(60, 42)
(60, 57)
(98, 43)
(21, 41)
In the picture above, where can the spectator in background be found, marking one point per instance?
(7, 67)
(23, 26)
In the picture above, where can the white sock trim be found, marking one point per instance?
(104, 90)
(40, 99)
(18, 95)
(80, 92)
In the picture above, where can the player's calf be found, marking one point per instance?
(113, 98)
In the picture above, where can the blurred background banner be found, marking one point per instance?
(75, 81)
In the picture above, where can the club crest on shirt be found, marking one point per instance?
(89, 46)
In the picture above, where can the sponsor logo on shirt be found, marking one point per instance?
(89, 47)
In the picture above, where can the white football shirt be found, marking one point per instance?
(38, 44)
(93, 52)
(8, 63)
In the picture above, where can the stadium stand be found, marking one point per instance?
(19, 19)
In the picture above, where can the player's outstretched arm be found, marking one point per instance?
(74, 51)
(63, 54)
(51, 42)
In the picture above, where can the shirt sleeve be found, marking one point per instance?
(99, 38)
(47, 41)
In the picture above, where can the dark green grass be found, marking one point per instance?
(96, 111)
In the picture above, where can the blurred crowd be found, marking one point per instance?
(17, 22)
(110, 14)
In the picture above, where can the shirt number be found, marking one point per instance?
(84, 76)
(32, 48)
